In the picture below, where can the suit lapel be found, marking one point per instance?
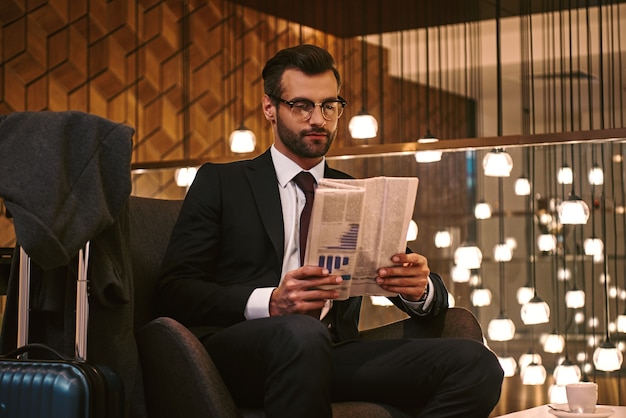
(263, 182)
(262, 178)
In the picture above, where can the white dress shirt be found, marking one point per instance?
(292, 202)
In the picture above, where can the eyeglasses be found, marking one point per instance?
(302, 109)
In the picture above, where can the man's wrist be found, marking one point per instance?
(424, 295)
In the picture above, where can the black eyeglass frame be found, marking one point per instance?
(291, 104)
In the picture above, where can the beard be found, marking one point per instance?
(295, 142)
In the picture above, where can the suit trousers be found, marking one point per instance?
(289, 366)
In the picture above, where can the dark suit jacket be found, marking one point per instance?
(229, 240)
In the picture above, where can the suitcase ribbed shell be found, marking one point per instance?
(45, 389)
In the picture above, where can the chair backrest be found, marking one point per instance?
(178, 374)
(151, 224)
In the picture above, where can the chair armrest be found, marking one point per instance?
(179, 375)
(456, 322)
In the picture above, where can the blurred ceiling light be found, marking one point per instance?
(554, 343)
(575, 298)
(596, 176)
(563, 274)
(534, 374)
(528, 358)
(184, 176)
(522, 186)
(482, 210)
(501, 329)
(573, 211)
(468, 256)
(363, 125)
(566, 372)
(443, 239)
(593, 246)
(546, 243)
(565, 175)
(497, 163)
(604, 277)
(451, 300)
(557, 394)
(460, 274)
(502, 253)
(411, 233)
(481, 297)
(242, 140)
(535, 311)
(509, 365)
(431, 156)
(428, 156)
(607, 357)
(525, 293)
(511, 242)
(621, 323)
(579, 317)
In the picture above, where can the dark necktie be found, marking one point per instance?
(306, 183)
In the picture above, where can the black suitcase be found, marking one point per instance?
(56, 386)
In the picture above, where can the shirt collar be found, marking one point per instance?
(286, 169)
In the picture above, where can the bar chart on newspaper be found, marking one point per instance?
(356, 226)
(338, 253)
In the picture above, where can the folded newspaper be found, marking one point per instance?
(357, 225)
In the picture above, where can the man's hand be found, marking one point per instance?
(407, 277)
(299, 292)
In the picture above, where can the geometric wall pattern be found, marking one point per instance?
(184, 74)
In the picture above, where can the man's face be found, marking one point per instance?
(305, 140)
(312, 142)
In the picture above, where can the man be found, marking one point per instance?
(232, 273)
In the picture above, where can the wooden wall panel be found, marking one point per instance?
(177, 75)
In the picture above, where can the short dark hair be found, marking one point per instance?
(309, 59)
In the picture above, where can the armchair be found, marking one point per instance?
(178, 374)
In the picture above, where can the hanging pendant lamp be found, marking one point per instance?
(565, 175)
(575, 298)
(428, 156)
(535, 311)
(363, 125)
(566, 372)
(557, 394)
(443, 239)
(481, 296)
(184, 176)
(242, 139)
(596, 175)
(411, 233)
(573, 211)
(468, 256)
(522, 186)
(554, 343)
(525, 293)
(501, 329)
(534, 374)
(460, 274)
(508, 364)
(497, 163)
(606, 357)
(482, 210)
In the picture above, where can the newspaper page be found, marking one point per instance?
(334, 230)
(357, 225)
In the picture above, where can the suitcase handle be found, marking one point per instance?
(34, 346)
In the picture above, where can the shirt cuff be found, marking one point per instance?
(258, 305)
(423, 307)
